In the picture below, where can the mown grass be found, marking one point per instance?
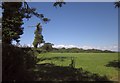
(92, 62)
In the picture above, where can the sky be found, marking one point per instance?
(84, 25)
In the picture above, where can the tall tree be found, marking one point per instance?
(12, 21)
(38, 36)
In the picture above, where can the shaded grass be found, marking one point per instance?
(50, 72)
(114, 63)
(92, 62)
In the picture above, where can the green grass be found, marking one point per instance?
(92, 62)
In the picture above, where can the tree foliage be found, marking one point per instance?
(38, 36)
(117, 4)
(16, 61)
(59, 3)
(47, 47)
(12, 21)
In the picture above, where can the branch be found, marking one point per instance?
(59, 3)
(32, 11)
(117, 4)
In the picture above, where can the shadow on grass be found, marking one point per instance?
(114, 63)
(61, 58)
(50, 72)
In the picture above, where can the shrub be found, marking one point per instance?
(16, 62)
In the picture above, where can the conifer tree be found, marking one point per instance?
(38, 36)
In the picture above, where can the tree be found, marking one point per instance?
(38, 36)
(16, 61)
(47, 47)
(12, 21)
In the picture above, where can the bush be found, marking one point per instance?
(16, 62)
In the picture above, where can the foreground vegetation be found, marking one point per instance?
(57, 67)
(99, 63)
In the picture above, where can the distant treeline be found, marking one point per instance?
(48, 47)
(79, 50)
(45, 49)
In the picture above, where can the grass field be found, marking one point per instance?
(92, 62)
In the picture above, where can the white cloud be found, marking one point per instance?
(112, 48)
(65, 46)
(72, 46)
(31, 45)
(87, 47)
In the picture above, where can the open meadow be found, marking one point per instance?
(59, 41)
(99, 63)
